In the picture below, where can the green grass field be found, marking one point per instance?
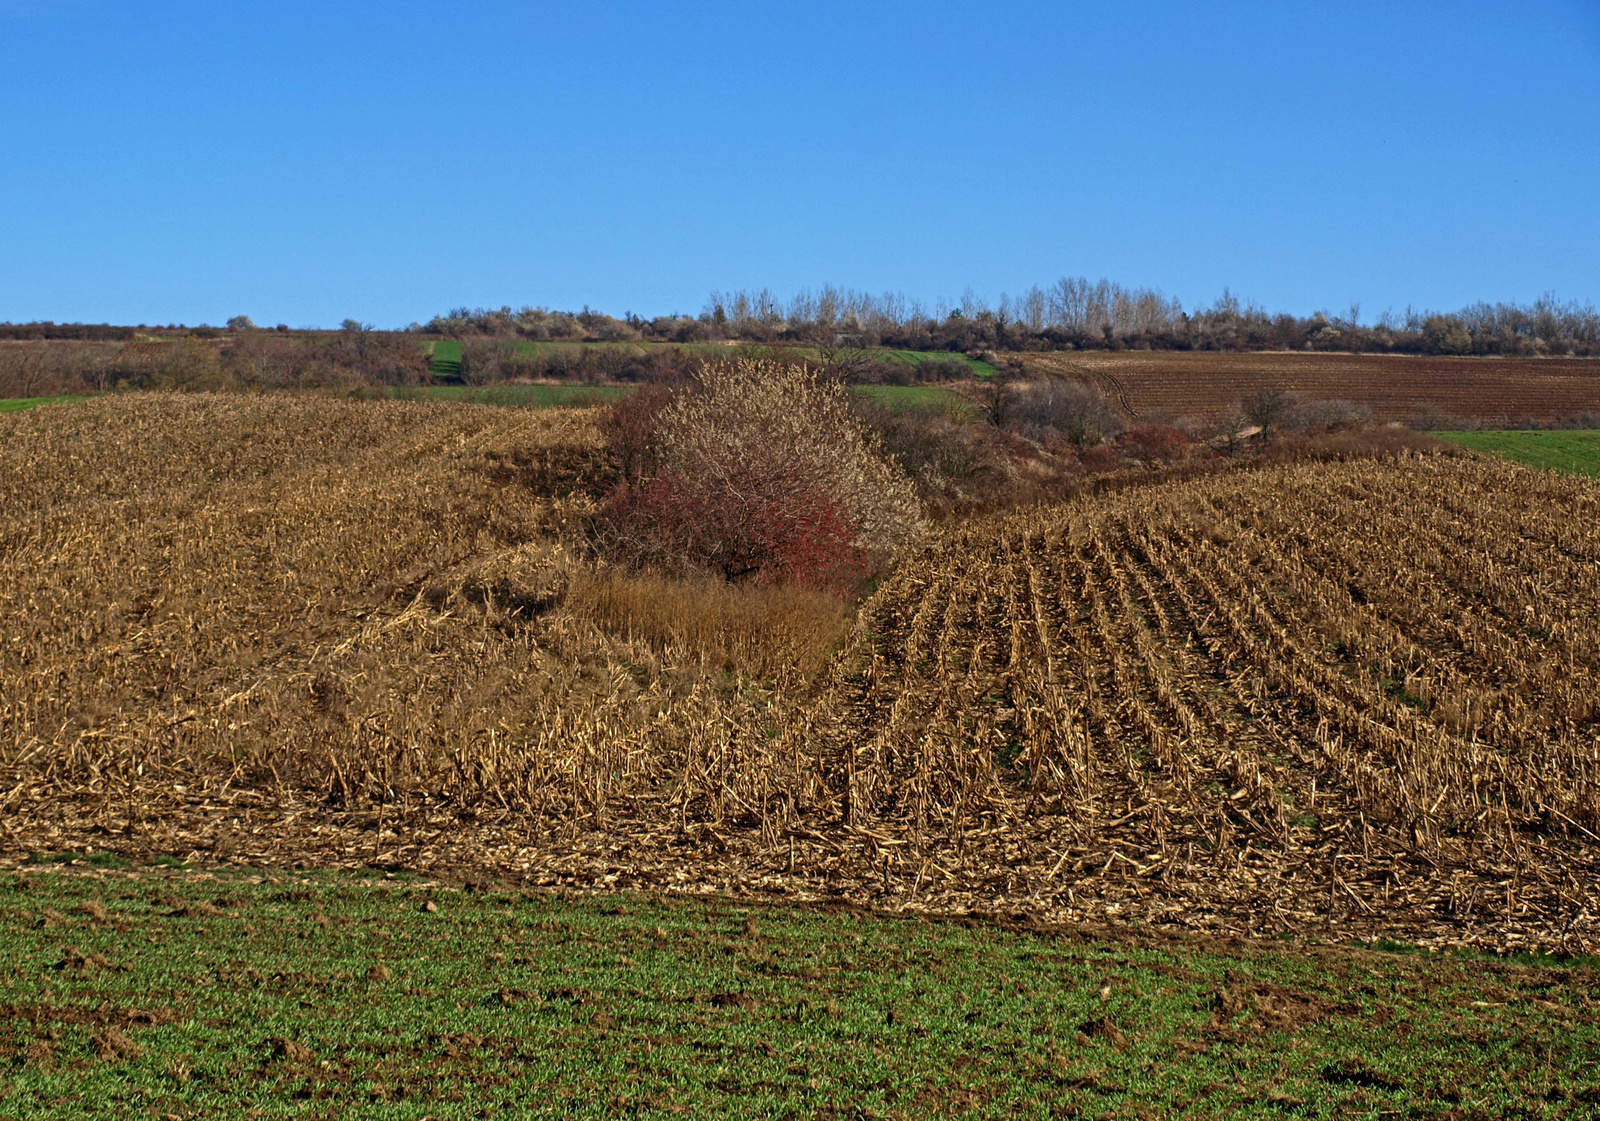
(444, 358)
(1574, 452)
(17, 404)
(902, 397)
(918, 357)
(174, 993)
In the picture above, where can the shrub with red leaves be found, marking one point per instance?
(765, 531)
(1099, 459)
(1159, 442)
(757, 472)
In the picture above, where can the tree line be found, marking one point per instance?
(1073, 313)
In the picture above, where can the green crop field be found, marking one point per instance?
(902, 397)
(170, 992)
(1576, 453)
(917, 357)
(445, 358)
(17, 404)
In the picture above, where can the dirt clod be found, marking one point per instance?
(733, 1000)
(1355, 1072)
(287, 1050)
(114, 1043)
(1103, 1027)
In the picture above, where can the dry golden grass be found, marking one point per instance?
(784, 634)
(1358, 697)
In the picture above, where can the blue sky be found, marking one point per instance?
(304, 162)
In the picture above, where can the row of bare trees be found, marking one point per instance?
(1073, 312)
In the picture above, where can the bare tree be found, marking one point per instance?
(1269, 410)
(1070, 408)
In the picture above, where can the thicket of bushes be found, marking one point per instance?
(755, 471)
(489, 361)
(1021, 442)
(256, 360)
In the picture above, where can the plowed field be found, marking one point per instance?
(1504, 393)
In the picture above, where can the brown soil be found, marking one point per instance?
(1206, 386)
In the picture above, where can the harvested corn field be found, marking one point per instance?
(1353, 699)
(1366, 692)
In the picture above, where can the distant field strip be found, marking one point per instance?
(446, 353)
(534, 396)
(1576, 453)
(1208, 385)
(17, 404)
(895, 397)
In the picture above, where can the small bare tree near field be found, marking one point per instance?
(1270, 410)
(762, 473)
(997, 399)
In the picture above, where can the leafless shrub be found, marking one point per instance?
(1269, 410)
(483, 361)
(1331, 415)
(1076, 411)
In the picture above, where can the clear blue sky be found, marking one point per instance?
(304, 162)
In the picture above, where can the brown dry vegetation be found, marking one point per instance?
(1207, 386)
(1347, 697)
(783, 634)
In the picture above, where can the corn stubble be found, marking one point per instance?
(1344, 699)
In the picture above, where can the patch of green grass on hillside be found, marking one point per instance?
(979, 367)
(17, 404)
(1573, 452)
(193, 994)
(900, 398)
(444, 358)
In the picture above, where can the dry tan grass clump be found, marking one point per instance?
(785, 634)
